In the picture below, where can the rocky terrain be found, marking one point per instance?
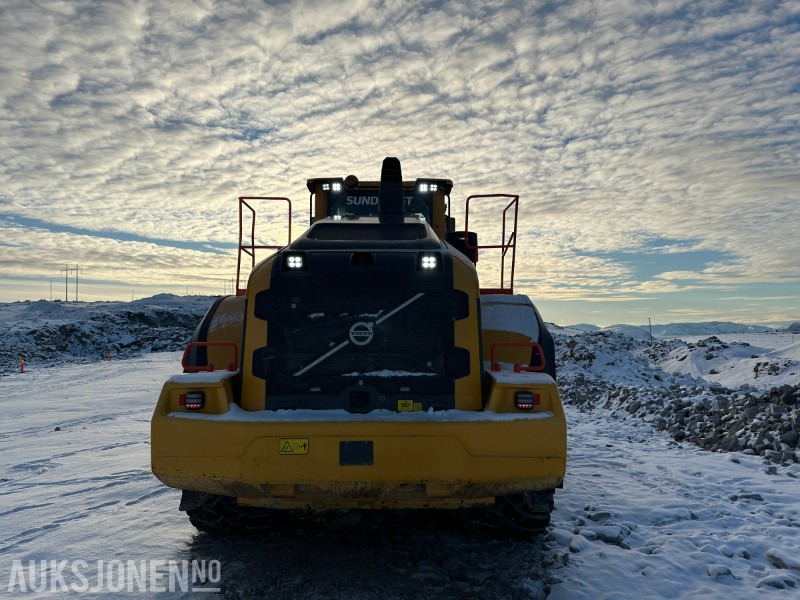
(630, 378)
(47, 333)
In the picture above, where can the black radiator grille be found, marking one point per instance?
(413, 340)
(338, 332)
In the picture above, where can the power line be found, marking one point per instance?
(67, 270)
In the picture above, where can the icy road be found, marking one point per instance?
(640, 516)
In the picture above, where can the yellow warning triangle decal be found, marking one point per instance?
(287, 447)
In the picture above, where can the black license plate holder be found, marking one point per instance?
(356, 454)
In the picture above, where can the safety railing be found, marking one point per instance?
(508, 240)
(250, 249)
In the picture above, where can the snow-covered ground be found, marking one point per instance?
(647, 510)
(731, 396)
(640, 516)
(75, 484)
(759, 359)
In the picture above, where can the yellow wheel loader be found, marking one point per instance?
(364, 367)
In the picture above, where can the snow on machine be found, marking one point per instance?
(363, 367)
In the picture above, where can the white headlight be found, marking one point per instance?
(294, 261)
(428, 262)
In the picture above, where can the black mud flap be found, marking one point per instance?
(192, 500)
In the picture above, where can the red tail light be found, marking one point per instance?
(192, 400)
(527, 400)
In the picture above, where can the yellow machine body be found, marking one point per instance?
(418, 459)
(401, 453)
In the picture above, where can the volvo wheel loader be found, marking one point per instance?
(363, 366)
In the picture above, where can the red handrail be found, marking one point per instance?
(252, 247)
(505, 245)
(519, 368)
(232, 366)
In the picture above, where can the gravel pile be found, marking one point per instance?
(51, 332)
(765, 424)
(630, 385)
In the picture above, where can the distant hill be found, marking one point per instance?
(794, 327)
(584, 327)
(674, 330)
(708, 328)
(638, 333)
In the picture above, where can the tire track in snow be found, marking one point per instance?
(16, 486)
(65, 424)
(667, 520)
(160, 491)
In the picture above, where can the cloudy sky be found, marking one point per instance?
(655, 144)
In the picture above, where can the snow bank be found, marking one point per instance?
(682, 387)
(49, 333)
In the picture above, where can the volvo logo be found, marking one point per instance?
(361, 333)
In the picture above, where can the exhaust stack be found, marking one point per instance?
(391, 199)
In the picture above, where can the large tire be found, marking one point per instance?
(221, 515)
(519, 516)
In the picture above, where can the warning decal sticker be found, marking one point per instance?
(408, 406)
(293, 446)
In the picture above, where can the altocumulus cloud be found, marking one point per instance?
(630, 129)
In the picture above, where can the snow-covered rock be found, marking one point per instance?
(55, 332)
(721, 394)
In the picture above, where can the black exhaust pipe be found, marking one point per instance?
(391, 200)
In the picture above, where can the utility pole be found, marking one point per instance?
(66, 270)
(77, 270)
